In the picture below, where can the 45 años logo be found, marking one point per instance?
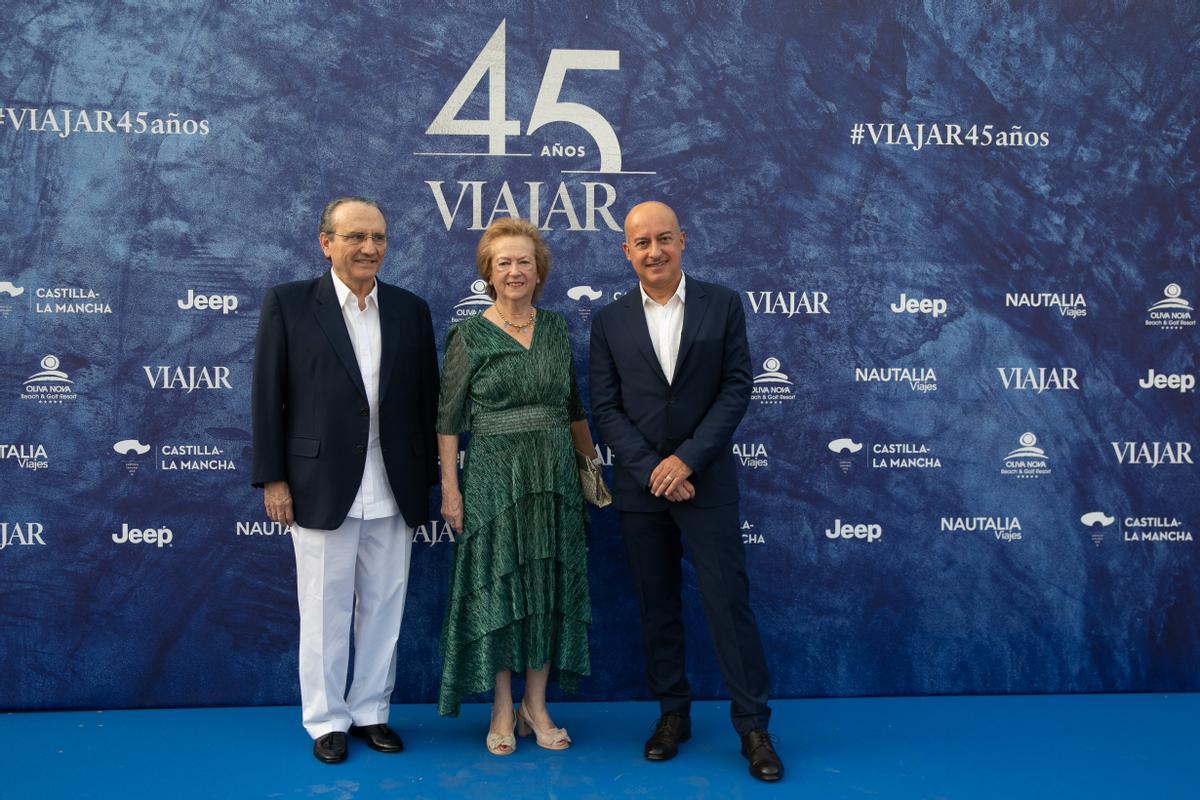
(578, 206)
(546, 109)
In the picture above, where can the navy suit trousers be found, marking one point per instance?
(654, 541)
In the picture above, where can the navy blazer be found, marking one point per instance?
(309, 403)
(644, 419)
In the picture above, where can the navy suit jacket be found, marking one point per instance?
(644, 419)
(309, 403)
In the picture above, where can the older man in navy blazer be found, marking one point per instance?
(344, 401)
(670, 381)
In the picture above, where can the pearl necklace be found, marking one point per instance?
(513, 325)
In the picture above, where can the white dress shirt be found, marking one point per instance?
(374, 499)
(665, 321)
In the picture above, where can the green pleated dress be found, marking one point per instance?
(518, 589)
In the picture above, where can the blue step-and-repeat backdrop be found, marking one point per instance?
(965, 233)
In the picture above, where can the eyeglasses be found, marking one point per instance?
(505, 266)
(358, 237)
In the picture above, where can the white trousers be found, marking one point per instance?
(359, 572)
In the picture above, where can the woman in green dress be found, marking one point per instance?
(518, 590)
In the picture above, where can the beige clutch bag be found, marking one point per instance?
(591, 479)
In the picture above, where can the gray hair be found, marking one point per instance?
(327, 215)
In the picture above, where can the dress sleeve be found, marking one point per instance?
(574, 401)
(454, 413)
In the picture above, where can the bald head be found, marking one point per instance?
(654, 246)
(653, 209)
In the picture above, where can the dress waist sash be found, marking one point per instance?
(515, 420)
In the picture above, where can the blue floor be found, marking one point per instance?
(1085, 746)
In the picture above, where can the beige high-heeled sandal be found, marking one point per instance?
(553, 739)
(502, 744)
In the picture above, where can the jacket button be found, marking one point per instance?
(364, 412)
(360, 449)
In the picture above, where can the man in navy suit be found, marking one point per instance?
(670, 381)
(343, 405)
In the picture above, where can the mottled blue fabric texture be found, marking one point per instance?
(742, 116)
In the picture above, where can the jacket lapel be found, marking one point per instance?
(329, 316)
(635, 322)
(389, 334)
(694, 310)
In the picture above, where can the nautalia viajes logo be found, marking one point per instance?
(1068, 304)
(752, 455)
(30, 456)
(918, 379)
(259, 527)
(1172, 313)
(1004, 529)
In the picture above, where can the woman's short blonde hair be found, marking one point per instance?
(512, 226)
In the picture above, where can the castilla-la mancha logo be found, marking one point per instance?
(132, 450)
(1164, 528)
(1096, 522)
(9, 291)
(585, 298)
(177, 456)
(889, 455)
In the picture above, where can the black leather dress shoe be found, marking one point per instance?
(764, 761)
(379, 737)
(330, 748)
(671, 731)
